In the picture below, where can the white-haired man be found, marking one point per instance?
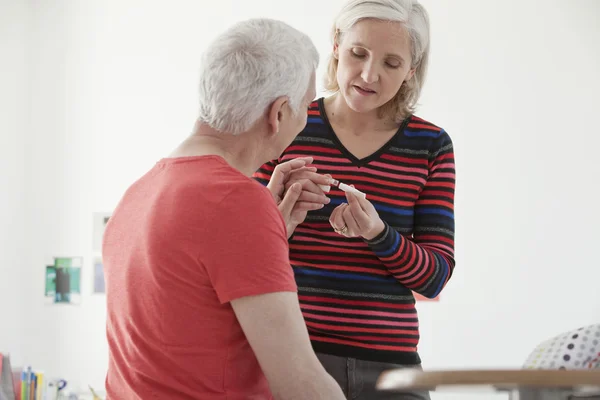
(201, 298)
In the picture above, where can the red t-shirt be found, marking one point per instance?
(188, 237)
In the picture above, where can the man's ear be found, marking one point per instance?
(276, 113)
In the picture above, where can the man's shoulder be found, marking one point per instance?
(247, 191)
(250, 201)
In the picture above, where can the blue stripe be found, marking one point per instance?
(439, 211)
(422, 133)
(393, 248)
(336, 201)
(390, 209)
(445, 272)
(341, 275)
(315, 120)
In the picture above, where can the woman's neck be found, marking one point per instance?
(342, 116)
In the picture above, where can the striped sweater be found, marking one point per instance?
(357, 295)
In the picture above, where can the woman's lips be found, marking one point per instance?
(364, 91)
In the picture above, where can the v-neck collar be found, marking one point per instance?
(360, 162)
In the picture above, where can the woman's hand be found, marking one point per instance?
(357, 218)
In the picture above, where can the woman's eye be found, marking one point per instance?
(358, 54)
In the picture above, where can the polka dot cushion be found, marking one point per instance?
(578, 349)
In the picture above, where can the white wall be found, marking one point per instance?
(514, 83)
(14, 106)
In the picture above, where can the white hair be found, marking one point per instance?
(414, 18)
(248, 67)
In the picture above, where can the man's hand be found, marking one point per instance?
(287, 185)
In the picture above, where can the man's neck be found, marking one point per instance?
(240, 152)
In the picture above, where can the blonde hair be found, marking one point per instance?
(414, 18)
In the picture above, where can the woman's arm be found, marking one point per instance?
(425, 263)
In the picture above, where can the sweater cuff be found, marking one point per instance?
(381, 240)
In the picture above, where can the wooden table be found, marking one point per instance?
(520, 384)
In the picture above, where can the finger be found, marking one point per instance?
(337, 222)
(361, 217)
(359, 201)
(313, 176)
(307, 185)
(307, 206)
(333, 216)
(313, 197)
(303, 169)
(350, 221)
(287, 166)
(289, 200)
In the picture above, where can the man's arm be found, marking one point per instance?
(276, 331)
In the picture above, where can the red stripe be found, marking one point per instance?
(325, 327)
(303, 263)
(433, 202)
(260, 175)
(424, 126)
(349, 311)
(434, 238)
(355, 302)
(310, 150)
(432, 192)
(360, 321)
(363, 252)
(390, 339)
(445, 157)
(371, 189)
(363, 345)
(337, 257)
(407, 160)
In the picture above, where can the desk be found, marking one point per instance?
(521, 384)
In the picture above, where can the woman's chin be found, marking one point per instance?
(361, 105)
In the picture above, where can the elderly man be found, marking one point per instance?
(201, 298)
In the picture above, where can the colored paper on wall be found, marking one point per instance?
(63, 281)
(99, 286)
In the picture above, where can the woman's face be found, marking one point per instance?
(374, 58)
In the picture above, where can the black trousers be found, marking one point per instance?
(357, 378)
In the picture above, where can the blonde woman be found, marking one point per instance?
(357, 261)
